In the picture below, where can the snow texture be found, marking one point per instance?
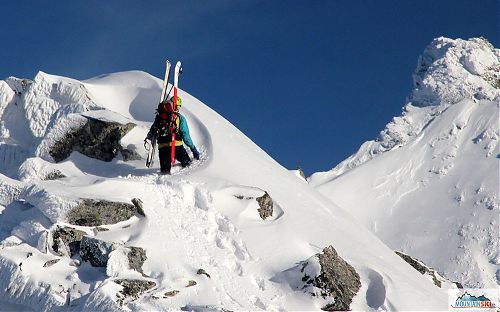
(430, 183)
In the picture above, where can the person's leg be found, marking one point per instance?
(164, 155)
(182, 156)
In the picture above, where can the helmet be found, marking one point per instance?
(179, 101)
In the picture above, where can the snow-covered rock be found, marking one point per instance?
(430, 182)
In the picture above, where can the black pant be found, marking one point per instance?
(180, 154)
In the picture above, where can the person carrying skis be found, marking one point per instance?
(162, 130)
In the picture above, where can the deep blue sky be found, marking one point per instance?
(308, 81)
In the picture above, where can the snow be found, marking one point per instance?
(201, 217)
(430, 183)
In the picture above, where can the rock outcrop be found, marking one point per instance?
(132, 289)
(338, 279)
(326, 275)
(266, 206)
(95, 251)
(436, 278)
(136, 257)
(100, 212)
(66, 240)
(96, 139)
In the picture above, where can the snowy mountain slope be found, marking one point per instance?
(202, 217)
(430, 183)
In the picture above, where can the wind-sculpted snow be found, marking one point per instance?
(46, 96)
(203, 240)
(430, 183)
(448, 72)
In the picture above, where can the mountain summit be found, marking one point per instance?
(428, 186)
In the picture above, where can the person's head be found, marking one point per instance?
(179, 101)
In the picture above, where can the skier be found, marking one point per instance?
(162, 130)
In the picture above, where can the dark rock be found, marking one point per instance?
(327, 275)
(139, 205)
(96, 139)
(99, 229)
(243, 197)
(170, 293)
(100, 212)
(66, 240)
(337, 279)
(266, 206)
(50, 263)
(414, 263)
(191, 283)
(95, 251)
(425, 270)
(136, 258)
(301, 173)
(128, 155)
(133, 288)
(54, 175)
(201, 271)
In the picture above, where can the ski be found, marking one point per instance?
(151, 146)
(165, 81)
(177, 72)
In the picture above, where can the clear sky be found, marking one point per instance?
(308, 81)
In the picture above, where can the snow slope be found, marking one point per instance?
(430, 183)
(194, 218)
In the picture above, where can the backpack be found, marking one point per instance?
(166, 115)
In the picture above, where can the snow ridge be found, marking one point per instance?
(430, 182)
(448, 72)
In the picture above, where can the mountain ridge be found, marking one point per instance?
(430, 181)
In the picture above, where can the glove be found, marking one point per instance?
(196, 154)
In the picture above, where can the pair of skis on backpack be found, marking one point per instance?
(151, 146)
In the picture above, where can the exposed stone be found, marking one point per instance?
(66, 239)
(50, 263)
(191, 283)
(95, 251)
(243, 197)
(170, 293)
(136, 258)
(418, 265)
(326, 275)
(201, 271)
(99, 229)
(100, 212)
(96, 139)
(266, 206)
(139, 205)
(337, 279)
(301, 173)
(54, 175)
(133, 288)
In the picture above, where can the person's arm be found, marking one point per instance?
(187, 138)
(154, 129)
